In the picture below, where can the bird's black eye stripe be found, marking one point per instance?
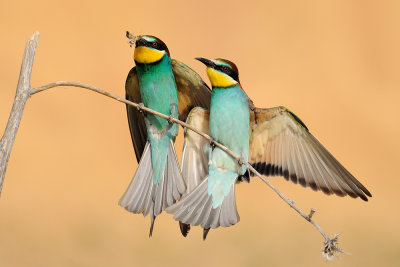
(227, 70)
(155, 45)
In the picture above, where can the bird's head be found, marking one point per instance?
(221, 72)
(149, 49)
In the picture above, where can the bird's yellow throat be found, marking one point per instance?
(219, 79)
(147, 55)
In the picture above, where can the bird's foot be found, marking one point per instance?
(140, 107)
(170, 119)
(241, 161)
(212, 143)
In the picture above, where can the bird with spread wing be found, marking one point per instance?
(273, 140)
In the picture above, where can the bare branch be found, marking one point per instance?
(211, 140)
(24, 92)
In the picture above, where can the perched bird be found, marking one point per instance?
(172, 88)
(273, 140)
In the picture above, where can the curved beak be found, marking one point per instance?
(140, 42)
(206, 62)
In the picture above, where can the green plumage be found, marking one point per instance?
(229, 125)
(158, 91)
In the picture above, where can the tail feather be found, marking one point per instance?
(185, 228)
(152, 220)
(203, 209)
(195, 154)
(205, 233)
(196, 209)
(193, 210)
(229, 213)
(143, 196)
(135, 194)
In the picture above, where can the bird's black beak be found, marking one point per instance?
(141, 42)
(206, 62)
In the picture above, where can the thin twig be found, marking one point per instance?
(174, 120)
(24, 92)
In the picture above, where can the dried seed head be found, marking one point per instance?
(331, 248)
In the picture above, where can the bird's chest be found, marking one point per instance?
(230, 125)
(157, 88)
(158, 92)
(229, 117)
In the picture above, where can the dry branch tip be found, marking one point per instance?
(331, 248)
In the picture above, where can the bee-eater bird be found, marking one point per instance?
(273, 140)
(172, 88)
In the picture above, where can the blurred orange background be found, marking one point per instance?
(334, 63)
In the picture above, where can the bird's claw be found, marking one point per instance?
(241, 161)
(170, 119)
(140, 107)
(212, 143)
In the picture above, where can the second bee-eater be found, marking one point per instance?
(172, 88)
(273, 140)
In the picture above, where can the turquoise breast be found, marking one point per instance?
(230, 125)
(158, 91)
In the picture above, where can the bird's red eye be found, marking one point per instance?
(154, 44)
(225, 69)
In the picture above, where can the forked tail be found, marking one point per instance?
(196, 208)
(143, 196)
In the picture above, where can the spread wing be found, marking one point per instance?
(195, 149)
(137, 126)
(282, 145)
(192, 90)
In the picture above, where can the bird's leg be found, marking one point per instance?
(241, 161)
(246, 175)
(173, 109)
(212, 143)
(171, 119)
(140, 109)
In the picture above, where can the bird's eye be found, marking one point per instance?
(225, 69)
(154, 44)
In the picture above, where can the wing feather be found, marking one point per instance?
(192, 90)
(195, 149)
(282, 145)
(136, 122)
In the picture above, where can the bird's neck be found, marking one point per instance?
(235, 89)
(163, 65)
(226, 99)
